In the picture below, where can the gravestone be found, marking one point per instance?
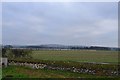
(4, 62)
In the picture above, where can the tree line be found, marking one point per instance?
(16, 53)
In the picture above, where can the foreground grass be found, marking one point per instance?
(23, 72)
(76, 55)
(0, 72)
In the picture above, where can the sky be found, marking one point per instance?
(67, 23)
(0, 23)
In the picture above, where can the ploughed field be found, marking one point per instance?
(77, 55)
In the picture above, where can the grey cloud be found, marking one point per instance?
(61, 23)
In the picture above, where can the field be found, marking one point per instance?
(77, 55)
(76, 58)
(23, 72)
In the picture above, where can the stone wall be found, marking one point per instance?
(73, 69)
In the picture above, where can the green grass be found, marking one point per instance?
(61, 58)
(0, 72)
(23, 72)
(77, 55)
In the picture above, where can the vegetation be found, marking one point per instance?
(76, 55)
(23, 72)
(70, 64)
(15, 53)
(62, 58)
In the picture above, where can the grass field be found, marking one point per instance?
(77, 55)
(23, 72)
(61, 58)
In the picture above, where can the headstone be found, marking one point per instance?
(4, 62)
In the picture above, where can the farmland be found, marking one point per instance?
(42, 73)
(61, 60)
(24, 72)
(77, 55)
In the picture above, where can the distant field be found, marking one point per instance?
(77, 55)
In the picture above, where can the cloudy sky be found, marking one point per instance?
(69, 23)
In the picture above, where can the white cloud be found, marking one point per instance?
(105, 26)
(34, 23)
(40, 23)
(60, 0)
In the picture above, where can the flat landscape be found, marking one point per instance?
(23, 72)
(60, 58)
(59, 39)
(77, 55)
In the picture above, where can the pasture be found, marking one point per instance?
(24, 72)
(66, 59)
(77, 55)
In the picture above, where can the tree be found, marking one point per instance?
(15, 53)
(21, 53)
(8, 46)
(9, 54)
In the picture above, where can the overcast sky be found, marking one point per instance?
(66, 23)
